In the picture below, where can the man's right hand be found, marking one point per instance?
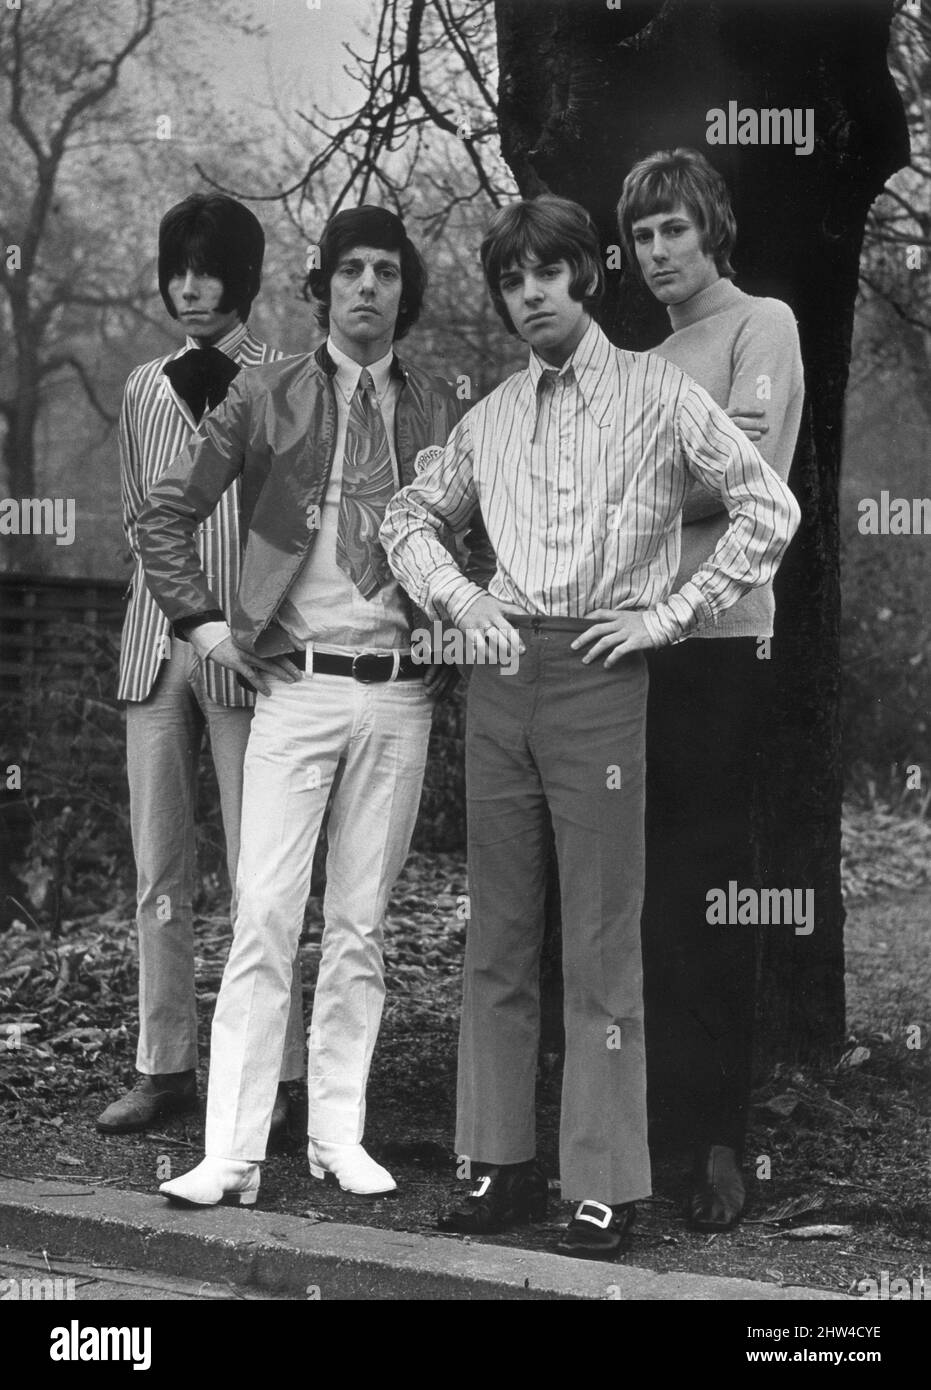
(487, 631)
(251, 668)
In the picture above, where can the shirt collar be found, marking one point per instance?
(230, 343)
(589, 365)
(348, 371)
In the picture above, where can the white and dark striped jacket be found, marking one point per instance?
(155, 425)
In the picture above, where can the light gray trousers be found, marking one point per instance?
(562, 740)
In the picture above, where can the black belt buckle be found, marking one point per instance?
(369, 667)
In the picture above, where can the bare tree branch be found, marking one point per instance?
(906, 315)
(67, 359)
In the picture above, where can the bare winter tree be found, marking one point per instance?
(46, 55)
(75, 151)
(895, 269)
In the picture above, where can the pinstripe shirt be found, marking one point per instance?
(155, 425)
(581, 475)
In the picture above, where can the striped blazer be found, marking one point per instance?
(155, 425)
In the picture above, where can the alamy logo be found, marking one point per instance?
(768, 126)
(896, 1287)
(894, 516)
(39, 1290)
(38, 516)
(752, 907)
(451, 646)
(77, 1343)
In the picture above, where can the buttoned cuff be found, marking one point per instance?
(673, 620)
(452, 595)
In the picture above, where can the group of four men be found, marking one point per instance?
(299, 522)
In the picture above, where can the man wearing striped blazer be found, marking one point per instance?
(209, 271)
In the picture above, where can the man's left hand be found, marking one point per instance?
(617, 633)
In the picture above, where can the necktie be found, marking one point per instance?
(368, 485)
(201, 377)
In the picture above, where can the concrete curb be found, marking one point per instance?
(327, 1260)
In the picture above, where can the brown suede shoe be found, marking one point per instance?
(150, 1099)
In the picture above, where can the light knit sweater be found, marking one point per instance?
(741, 349)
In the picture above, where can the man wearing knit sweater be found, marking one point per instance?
(707, 695)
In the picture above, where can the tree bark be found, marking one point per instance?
(585, 91)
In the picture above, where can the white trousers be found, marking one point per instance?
(371, 741)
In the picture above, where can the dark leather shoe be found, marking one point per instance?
(597, 1232)
(150, 1099)
(717, 1197)
(509, 1194)
(278, 1130)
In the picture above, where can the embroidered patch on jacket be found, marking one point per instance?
(427, 456)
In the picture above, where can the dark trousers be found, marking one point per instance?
(562, 741)
(703, 725)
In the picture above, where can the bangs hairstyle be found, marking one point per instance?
(383, 231)
(663, 181)
(212, 234)
(543, 230)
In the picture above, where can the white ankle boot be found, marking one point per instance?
(351, 1166)
(215, 1180)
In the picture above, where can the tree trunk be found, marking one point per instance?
(585, 91)
(22, 554)
(21, 413)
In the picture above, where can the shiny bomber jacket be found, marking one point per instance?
(274, 437)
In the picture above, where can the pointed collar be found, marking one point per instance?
(327, 363)
(590, 365)
(348, 371)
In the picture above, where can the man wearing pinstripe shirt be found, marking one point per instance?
(580, 465)
(209, 271)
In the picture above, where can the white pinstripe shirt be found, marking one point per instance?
(581, 476)
(155, 425)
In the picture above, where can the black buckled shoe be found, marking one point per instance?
(509, 1194)
(597, 1232)
(717, 1197)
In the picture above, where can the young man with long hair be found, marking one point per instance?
(210, 251)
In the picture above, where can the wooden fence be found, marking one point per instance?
(31, 606)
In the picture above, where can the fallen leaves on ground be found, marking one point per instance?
(68, 1003)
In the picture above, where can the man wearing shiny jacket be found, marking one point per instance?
(323, 631)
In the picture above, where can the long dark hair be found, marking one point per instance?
(212, 234)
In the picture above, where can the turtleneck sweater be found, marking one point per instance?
(744, 351)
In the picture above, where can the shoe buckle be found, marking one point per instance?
(483, 1187)
(602, 1220)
